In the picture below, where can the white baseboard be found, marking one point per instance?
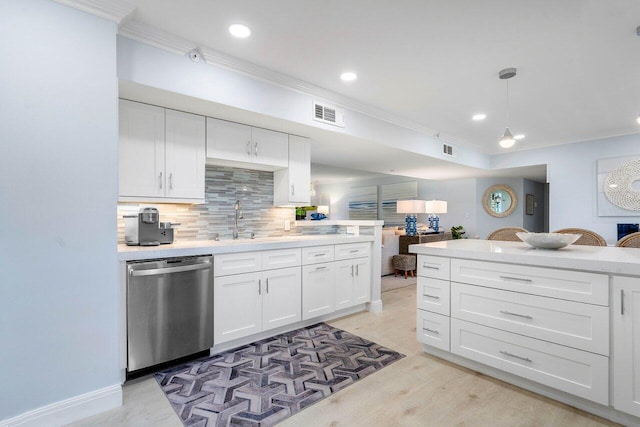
(69, 410)
(375, 306)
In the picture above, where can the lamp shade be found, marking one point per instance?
(410, 206)
(435, 206)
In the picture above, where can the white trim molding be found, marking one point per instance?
(69, 410)
(113, 10)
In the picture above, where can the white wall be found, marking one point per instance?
(150, 66)
(58, 194)
(572, 181)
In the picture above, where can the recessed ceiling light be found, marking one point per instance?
(638, 119)
(478, 117)
(348, 76)
(518, 136)
(613, 185)
(239, 30)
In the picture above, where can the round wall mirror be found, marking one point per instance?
(500, 200)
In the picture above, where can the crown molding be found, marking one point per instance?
(161, 39)
(113, 10)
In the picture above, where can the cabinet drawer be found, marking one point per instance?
(579, 286)
(433, 329)
(243, 262)
(434, 295)
(433, 266)
(577, 372)
(577, 325)
(281, 258)
(317, 254)
(352, 250)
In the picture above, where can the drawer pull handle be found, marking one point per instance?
(516, 279)
(353, 251)
(506, 353)
(432, 296)
(433, 331)
(524, 316)
(429, 267)
(622, 302)
(259, 286)
(324, 267)
(320, 254)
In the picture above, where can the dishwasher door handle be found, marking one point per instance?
(168, 270)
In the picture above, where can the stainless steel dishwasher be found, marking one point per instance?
(169, 309)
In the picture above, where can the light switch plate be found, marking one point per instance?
(287, 225)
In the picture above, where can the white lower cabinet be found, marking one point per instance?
(352, 284)
(237, 306)
(281, 294)
(317, 290)
(626, 344)
(263, 290)
(574, 324)
(547, 325)
(433, 329)
(245, 304)
(578, 372)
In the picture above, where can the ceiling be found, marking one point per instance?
(436, 63)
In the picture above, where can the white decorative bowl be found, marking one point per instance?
(548, 240)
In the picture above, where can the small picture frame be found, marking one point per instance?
(529, 203)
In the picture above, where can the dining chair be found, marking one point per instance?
(588, 238)
(630, 241)
(507, 234)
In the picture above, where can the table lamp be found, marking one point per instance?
(411, 208)
(433, 208)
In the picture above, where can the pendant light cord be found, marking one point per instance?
(507, 103)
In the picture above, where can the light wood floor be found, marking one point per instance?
(419, 390)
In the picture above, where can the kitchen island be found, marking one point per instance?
(564, 323)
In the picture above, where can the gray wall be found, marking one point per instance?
(535, 222)
(58, 127)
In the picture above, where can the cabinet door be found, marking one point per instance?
(228, 140)
(185, 155)
(317, 290)
(281, 296)
(237, 302)
(626, 344)
(141, 150)
(299, 169)
(343, 284)
(269, 147)
(362, 281)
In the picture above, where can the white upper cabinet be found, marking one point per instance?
(185, 155)
(235, 144)
(161, 154)
(292, 186)
(270, 147)
(141, 150)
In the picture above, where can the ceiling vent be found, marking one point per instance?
(328, 114)
(448, 150)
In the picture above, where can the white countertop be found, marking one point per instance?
(576, 257)
(326, 222)
(206, 247)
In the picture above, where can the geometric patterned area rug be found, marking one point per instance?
(263, 383)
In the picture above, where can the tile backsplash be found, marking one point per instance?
(223, 186)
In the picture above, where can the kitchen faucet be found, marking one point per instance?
(237, 207)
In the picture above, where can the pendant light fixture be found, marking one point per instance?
(507, 139)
